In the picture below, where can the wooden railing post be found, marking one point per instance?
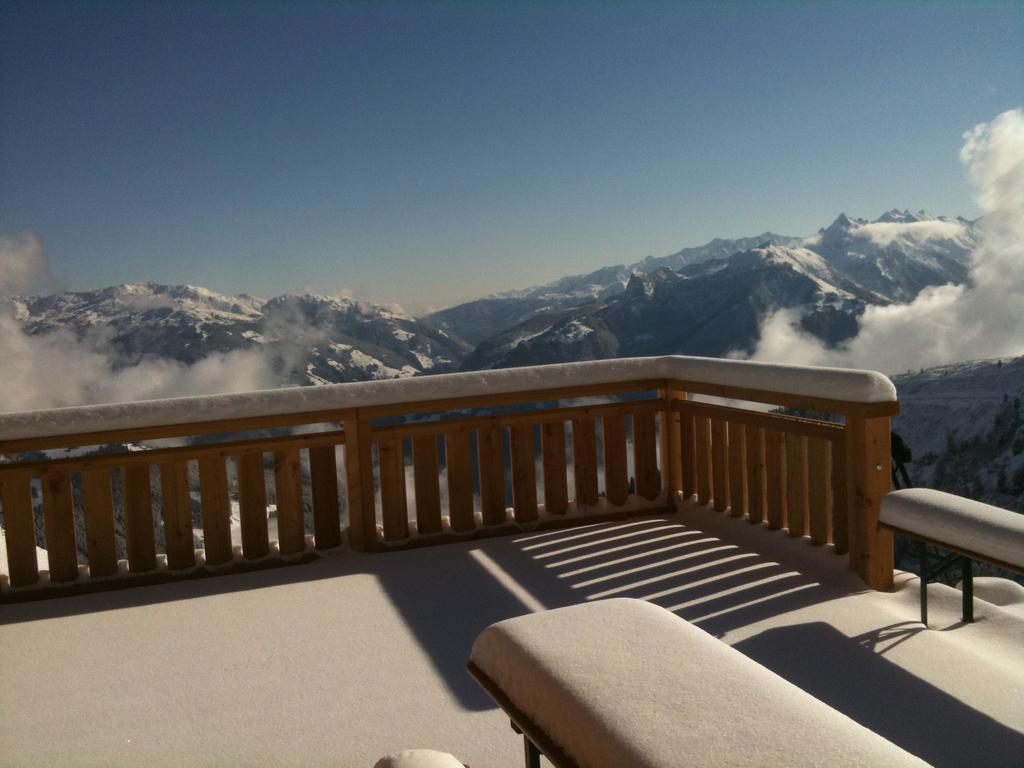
(362, 516)
(868, 459)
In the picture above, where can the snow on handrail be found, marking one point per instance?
(813, 383)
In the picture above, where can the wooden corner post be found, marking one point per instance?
(868, 454)
(362, 514)
(671, 444)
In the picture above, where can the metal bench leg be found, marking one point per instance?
(967, 586)
(531, 753)
(922, 550)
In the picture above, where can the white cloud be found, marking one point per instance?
(59, 369)
(884, 233)
(24, 268)
(945, 324)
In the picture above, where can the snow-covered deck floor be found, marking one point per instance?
(340, 661)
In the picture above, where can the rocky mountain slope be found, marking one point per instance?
(714, 306)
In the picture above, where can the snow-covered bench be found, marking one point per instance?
(626, 683)
(969, 529)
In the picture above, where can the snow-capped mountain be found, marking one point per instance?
(309, 339)
(892, 259)
(711, 306)
(899, 253)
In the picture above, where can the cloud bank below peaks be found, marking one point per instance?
(55, 369)
(983, 318)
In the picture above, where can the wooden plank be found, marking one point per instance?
(291, 523)
(819, 491)
(616, 467)
(427, 482)
(702, 453)
(394, 509)
(252, 506)
(59, 526)
(161, 431)
(737, 470)
(719, 465)
(323, 479)
(803, 402)
(796, 424)
(796, 485)
(645, 455)
(556, 487)
(492, 475)
(842, 501)
(870, 457)
(774, 479)
(584, 461)
(756, 491)
(98, 509)
(459, 463)
(216, 501)
(176, 507)
(362, 512)
(688, 438)
(138, 519)
(19, 528)
(524, 474)
(507, 398)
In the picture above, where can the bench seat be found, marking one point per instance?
(624, 683)
(979, 531)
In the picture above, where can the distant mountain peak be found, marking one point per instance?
(896, 216)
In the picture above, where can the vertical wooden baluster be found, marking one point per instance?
(869, 457)
(645, 455)
(584, 461)
(213, 493)
(775, 487)
(820, 504)
(252, 504)
(719, 464)
(755, 475)
(323, 477)
(98, 506)
(177, 512)
(796, 484)
(394, 510)
(556, 488)
(426, 479)
(459, 460)
(492, 475)
(672, 459)
(291, 523)
(688, 438)
(616, 468)
(59, 526)
(702, 452)
(362, 515)
(524, 473)
(19, 529)
(138, 518)
(737, 470)
(841, 493)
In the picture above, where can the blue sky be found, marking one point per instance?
(430, 153)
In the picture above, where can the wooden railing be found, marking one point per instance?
(462, 456)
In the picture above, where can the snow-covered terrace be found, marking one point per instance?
(359, 651)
